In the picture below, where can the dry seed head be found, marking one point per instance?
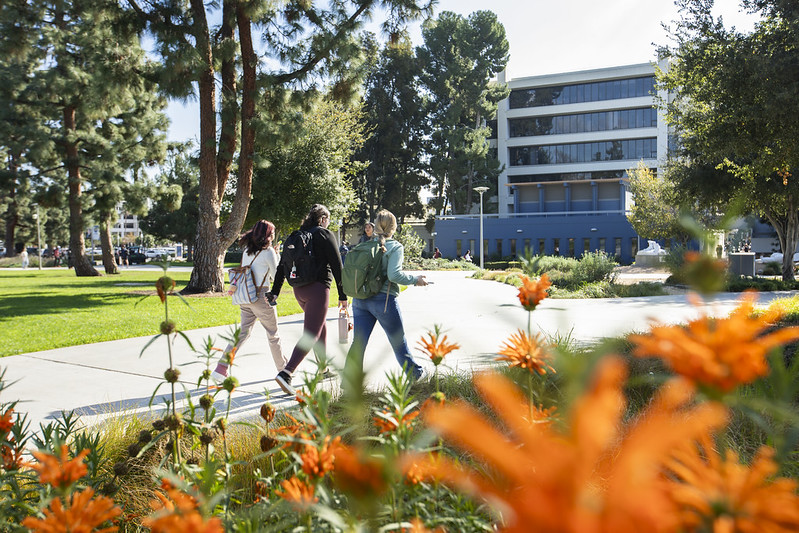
(145, 436)
(158, 425)
(121, 468)
(230, 384)
(171, 375)
(168, 326)
(268, 412)
(207, 436)
(267, 443)
(134, 449)
(173, 422)
(206, 401)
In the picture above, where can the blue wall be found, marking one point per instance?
(607, 226)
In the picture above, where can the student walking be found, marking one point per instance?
(263, 261)
(368, 232)
(383, 307)
(312, 294)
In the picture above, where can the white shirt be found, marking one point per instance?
(262, 264)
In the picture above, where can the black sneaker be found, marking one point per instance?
(283, 380)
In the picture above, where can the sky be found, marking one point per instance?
(551, 36)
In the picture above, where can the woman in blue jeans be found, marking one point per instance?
(382, 308)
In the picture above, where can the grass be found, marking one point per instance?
(42, 310)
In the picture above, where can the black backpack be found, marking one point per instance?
(299, 264)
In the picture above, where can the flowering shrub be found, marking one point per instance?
(558, 440)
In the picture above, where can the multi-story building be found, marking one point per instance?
(566, 142)
(126, 229)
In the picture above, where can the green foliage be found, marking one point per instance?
(594, 266)
(536, 265)
(410, 240)
(654, 213)
(395, 148)
(314, 167)
(459, 58)
(737, 151)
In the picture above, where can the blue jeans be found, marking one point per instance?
(366, 313)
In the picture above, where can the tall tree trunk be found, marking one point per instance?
(787, 228)
(77, 243)
(107, 246)
(12, 215)
(213, 240)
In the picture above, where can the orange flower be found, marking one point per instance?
(299, 494)
(163, 286)
(526, 352)
(83, 514)
(177, 512)
(722, 353)
(387, 422)
(359, 475)
(437, 346)
(417, 526)
(532, 292)
(596, 477)
(316, 462)
(11, 455)
(729, 495)
(60, 472)
(7, 421)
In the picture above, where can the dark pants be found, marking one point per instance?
(314, 300)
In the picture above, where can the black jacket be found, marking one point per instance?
(325, 250)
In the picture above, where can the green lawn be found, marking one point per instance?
(41, 310)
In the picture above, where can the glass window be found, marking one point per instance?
(586, 245)
(499, 247)
(513, 248)
(602, 244)
(458, 247)
(571, 247)
(617, 246)
(527, 247)
(542, 247)
(556, 246)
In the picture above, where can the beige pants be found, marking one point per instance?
(267, 315)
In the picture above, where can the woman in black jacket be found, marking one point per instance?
(314, 297)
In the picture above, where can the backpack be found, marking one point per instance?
(299, 264)
(362, 275)
(243, 289)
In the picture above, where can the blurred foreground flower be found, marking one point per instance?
(83, 513)
(597, 477)
(527, 352)
(298, 493)
(531, 293)
(178, 512)
(720, 494)
(704, 273)
(721, 352)
(387, 421)
(60, 471)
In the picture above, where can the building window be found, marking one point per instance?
(582, 92)
(527, 247)
(556, 246)
(458, 248)
(499, 248)
(622, 119)
(602, 247)
(617, 246)
(542, 247)
(572, 176)
(586, 246)
(472, 247)
(554, 154)
(571, 247)
(513, 247)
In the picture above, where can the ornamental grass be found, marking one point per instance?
(686, 428)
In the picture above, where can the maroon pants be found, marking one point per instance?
(314, 300)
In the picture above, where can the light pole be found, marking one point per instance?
(38, 235)
(481, 190)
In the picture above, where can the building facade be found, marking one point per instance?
(566, 142)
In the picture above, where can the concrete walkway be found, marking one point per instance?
(103, 379)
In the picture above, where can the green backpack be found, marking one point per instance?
(362, 275)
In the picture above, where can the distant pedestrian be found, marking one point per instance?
(124, 254)
(24, 257)
(383, 308)
(437, 254)
(57, 256)
(467, 256)
(368, 232)
(343, 249)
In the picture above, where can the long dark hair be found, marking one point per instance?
(314, 216)
(259, 236)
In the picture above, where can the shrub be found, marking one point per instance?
(410, 240)
(772, 268)
(594, 266)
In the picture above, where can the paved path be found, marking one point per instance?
(98, 380)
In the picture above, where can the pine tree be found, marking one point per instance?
(95, 114)
(459, 58)
(305, 45)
